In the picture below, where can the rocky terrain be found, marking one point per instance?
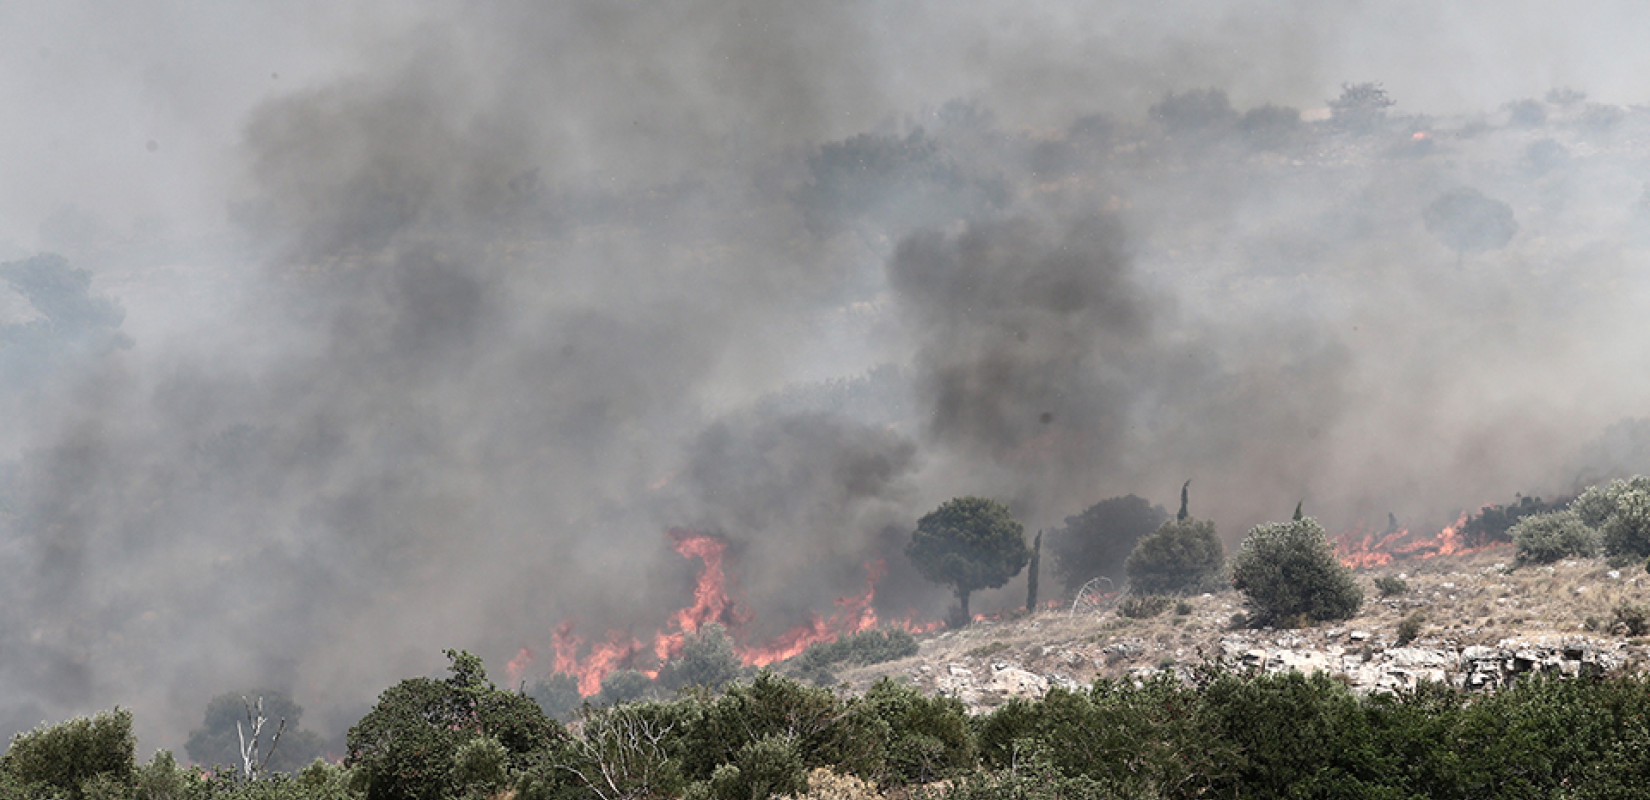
(1482, 624)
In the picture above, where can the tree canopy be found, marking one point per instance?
(1289, 575)
(969, 543)
(1096, 542)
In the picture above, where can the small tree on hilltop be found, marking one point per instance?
(1288, 574)
(969, 543)
(1182, 555)
(1096, 542)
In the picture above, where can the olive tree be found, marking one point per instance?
(969, 543)
(1289, 575)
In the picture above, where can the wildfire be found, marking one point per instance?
(1357, 548)
(713, 603)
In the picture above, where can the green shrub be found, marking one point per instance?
(558, 695)
(1143, 606)
(1409, 628)
(928, 736)
(1389, 585)
(1288, 573)
(1494, 523)
(1620, 511)
(1545, 538)
(826, 730)
(1182, 555)
(623, 686)
(82, 757)
(1632, 618)
(1182, 608)
(406, 747)
(764, 768)
(707, 660)
(859, 649)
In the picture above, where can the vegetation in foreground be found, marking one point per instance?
(1220, 734)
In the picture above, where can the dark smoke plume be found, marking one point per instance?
(417, 325)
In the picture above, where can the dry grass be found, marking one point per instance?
(1466, 600)
(823, 784)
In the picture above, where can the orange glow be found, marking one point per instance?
(1357, 548)
(713, 603)
(518, 666)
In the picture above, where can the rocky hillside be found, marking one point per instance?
(1481, 622)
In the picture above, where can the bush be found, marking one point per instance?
(928, 736)
(1389, 585)
(1545, 538)
(1097, 542)
(825, 730)
(1493, 523)
(82, 758)
(1182, 555)
(623, 686)
(766, 767)
(558, 695)
(707, 660)
(1621, 513)
(1631, 618)
(1409, 628)
(1143, 606)
(865, 647)
(407, 746)
(1288, 572)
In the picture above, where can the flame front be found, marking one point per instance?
(713, 603)
(1357, 548)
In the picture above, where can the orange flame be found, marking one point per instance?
(713, 604)
(1364, 550)
(518, 665)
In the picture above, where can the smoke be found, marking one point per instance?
(417, 325)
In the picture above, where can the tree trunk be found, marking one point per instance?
(1031, 576)
(962, 599)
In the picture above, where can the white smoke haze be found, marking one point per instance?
(416, 325)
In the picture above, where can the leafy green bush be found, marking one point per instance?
(707, 660)
(1288, 572)
(1493, 523)
(1632, 618)
(1545, 538)
(865, 647)
(826, 730)
(928, 736)
(80, 758)
(1143, 606)
(558, 694)
(1099, 540)
(762, 769)
(1621, 513)
(406, 747)
(1389, 585)
(623, 686)
(1409, 628)
(1182, 555)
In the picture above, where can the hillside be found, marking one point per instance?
(1483, 620)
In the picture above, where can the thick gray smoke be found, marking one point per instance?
(415, 326)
